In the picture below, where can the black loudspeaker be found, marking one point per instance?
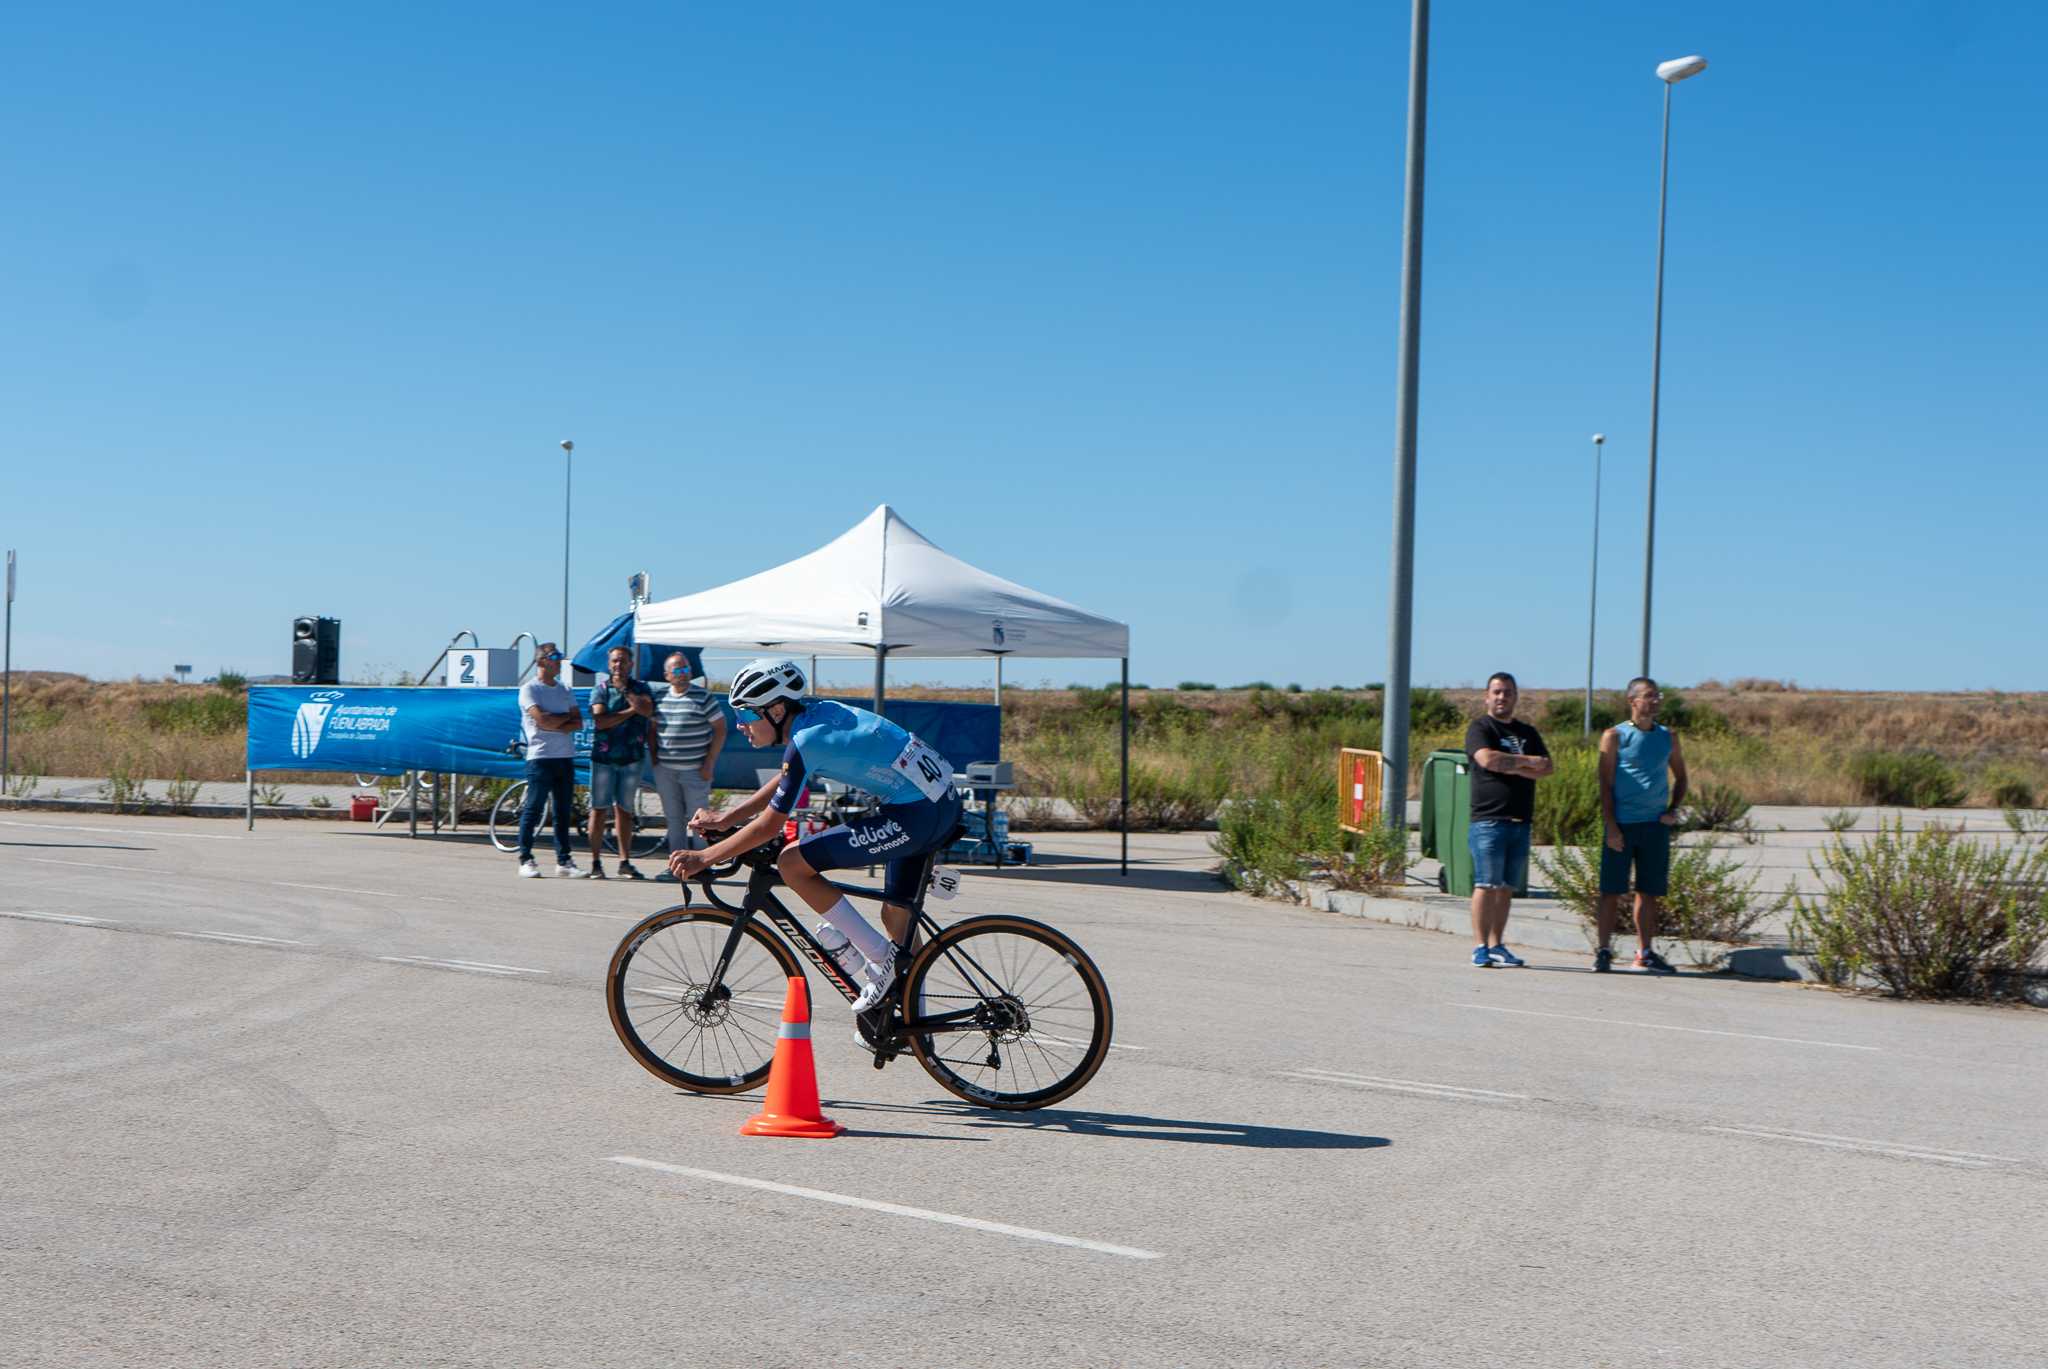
(316, 651)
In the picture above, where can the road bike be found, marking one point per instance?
(650, 828)
(1002, 1011)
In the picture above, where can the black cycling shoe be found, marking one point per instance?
(875, 1027)
(1603, 960)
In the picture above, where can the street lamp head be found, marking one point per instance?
(1678, 68)
(568, 446)
(1598, 438)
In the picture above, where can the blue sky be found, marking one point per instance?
(1101, 297)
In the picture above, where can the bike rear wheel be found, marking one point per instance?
(1038, 1018)
(505, 817)
(683, 1029)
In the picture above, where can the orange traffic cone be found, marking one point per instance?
(792, 1105)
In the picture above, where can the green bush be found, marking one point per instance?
(1430, 711)
(1714, 808)
(2009, 788)
(1568, 800)
(1682, 715)
(1928, 915)
(1711, 901)
(1841, 820)
(1268, 843)
(1905, 779)
(233, 681)
(1565, 714)
(1196, 685)
(207, 713)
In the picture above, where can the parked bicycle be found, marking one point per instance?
(1002, 1011)
(650, 833)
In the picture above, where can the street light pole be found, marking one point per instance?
(1401, 588)
(1593, 603)
(1670, 73)
(567, 465)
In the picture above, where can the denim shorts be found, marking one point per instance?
(1645, 845)
(614, 786)
(1500, 853)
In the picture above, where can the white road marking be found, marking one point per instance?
(1898, 1149)
(367, 893)
(241, 937)
(118, 831)
(55, 917)
(894, 1209)
(1069, 1041)
(99, 865)
(1666, 1027)
(610, 917)
(469, 966)
(1367, 1081)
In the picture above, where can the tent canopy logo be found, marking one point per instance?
(312, 721)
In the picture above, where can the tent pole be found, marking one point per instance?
(1123, 810)
(250, 810)
(999, 681)
(881, 658)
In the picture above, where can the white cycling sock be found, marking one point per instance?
(860, 932)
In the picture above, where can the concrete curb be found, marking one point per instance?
(1534, 931)
(159, 809)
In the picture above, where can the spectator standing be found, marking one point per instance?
(550, 720)
(1639, 806)
(1508, 757)
(622, 711)
(689, 732)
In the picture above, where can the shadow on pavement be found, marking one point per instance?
(1133, 1127)
(1070, 870)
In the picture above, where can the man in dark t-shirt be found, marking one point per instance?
(1508, 757)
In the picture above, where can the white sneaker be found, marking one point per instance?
(528, 870)
(879, 978)
(567, 870)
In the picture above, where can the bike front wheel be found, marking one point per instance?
(1007, 1012)
(505, 817)
(683, 1028)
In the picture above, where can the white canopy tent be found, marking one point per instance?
(883, 588)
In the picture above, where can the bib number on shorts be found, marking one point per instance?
(926, 769)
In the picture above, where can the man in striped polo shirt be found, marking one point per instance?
(689, 734)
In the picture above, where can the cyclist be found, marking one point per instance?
(920, 809)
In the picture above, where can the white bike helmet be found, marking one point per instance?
(760, 683)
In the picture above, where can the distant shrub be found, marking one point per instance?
(207, 713)
(1568, 800)
(1750, 684)
(1194, 685)
(1255, 684)
(1430, 711)
(1682, 715)
(1294, 687)
(2008, 788)
(1905, 779)
(1841, 820)
(1566, 713)
(1714, 808)
(1928, 915)
(233, 681)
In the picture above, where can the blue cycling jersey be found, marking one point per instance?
(863, 749)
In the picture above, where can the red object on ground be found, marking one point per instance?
(363, 807)
(792, 1107)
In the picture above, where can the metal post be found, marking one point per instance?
(881, 659)
(1593, 605)
(1656, 378)
(999, 681)
(567, 469)
(7, 680)
(412, 805)
(434, 801)
(250, 776)
(1123, 809)
(1401, 593)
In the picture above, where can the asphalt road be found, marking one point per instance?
(314, 1096)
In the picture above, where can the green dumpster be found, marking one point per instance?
(1447, 821)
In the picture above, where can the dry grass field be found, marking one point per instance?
(1191, 748)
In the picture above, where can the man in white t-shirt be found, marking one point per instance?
(550, 719)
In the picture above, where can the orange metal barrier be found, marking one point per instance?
(1358, 789)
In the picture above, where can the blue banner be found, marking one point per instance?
(367, 730)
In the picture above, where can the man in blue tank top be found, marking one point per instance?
(1638, 801)
(822, 739)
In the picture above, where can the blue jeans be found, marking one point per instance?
(1500, 853)
(546, 780)
(613, 786)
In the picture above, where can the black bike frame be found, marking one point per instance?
(760, 898)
